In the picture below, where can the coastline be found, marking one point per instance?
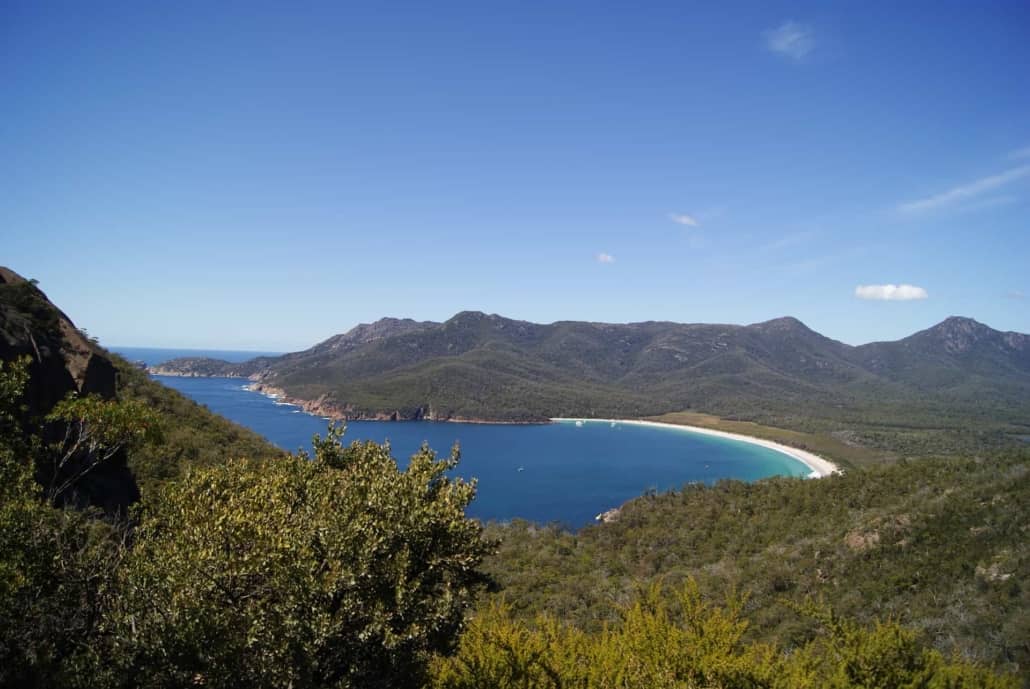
(820, 466)
(176, 373)
(327, 409)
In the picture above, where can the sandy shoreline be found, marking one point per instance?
(820, 467)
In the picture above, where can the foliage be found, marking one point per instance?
(56, 566)
(95, 430)
(14, 377)
(939, 545)
(337, 571)
(191, 435)
(24, 306)
(688, 642)
(57, 570)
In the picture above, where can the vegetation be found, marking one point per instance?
(95, 430)
(56, 565)
(957, 388)
(64, 365)
(687, 642)
(939, 545)
(242, 565)
(21, 306)
(191, 435)
(339, 570)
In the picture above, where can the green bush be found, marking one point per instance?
(689, 644)
(343, 571)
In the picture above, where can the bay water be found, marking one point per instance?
(559, 472)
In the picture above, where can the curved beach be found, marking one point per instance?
(820, 467)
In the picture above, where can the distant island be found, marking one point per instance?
(937, 384)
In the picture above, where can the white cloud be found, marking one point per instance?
(1020, 153)
(965, 192)
(605, 258)
(684, 219)
(890, 292)
(790, 39)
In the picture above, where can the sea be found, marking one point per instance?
(565, 473)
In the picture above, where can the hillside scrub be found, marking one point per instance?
(337, 570)
(939, 545)
(679, 641)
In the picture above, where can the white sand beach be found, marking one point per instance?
(820, 467)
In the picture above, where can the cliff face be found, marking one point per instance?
(63, 360)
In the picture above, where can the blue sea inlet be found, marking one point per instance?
(561, 472)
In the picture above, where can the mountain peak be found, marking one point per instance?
(364, 333)
(961, 326)
(961, 322)
(787, 321)
(469, 318)
(782, 324)
(958, 334)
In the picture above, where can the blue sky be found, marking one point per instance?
(261, 176)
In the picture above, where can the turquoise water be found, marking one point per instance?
(545, 473)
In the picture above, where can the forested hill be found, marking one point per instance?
(779, 372)
(64, 361)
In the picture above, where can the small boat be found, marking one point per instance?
(613, 424)
(579, 424)
(521, 468)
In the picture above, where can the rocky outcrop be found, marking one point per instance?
(329, 408)
(62, 360)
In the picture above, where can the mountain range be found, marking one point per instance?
(478, 366)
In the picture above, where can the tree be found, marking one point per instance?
(688, 643)
(341, 570)
(95, 430)
(56, 566)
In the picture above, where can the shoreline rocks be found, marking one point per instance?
(327, 407)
